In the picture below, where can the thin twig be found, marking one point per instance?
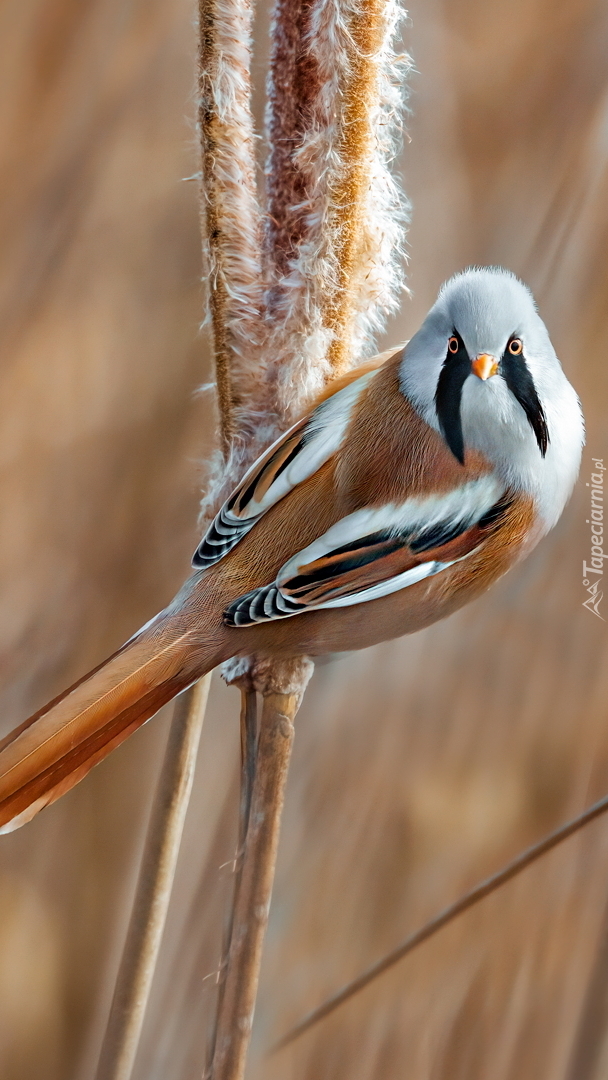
(253, 900)
(153, 891)
(479, 892)
(249, 717)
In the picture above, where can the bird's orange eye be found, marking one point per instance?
(515, 346)
(453, 345)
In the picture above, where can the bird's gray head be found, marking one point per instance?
(482, 371)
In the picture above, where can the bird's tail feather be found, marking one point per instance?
(55, 748)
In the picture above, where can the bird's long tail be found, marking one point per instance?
(55, 748)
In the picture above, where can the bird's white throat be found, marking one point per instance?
(495, 425)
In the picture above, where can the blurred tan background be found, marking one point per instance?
(419, 766)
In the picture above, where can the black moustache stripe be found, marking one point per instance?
(517, 376)
(456, 368)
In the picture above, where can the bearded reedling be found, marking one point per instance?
(412, 485)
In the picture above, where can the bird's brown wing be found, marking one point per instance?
(373, 562)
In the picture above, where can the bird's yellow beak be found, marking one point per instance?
(484, 366)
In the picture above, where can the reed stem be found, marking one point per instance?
(252, 901)
(153, 891)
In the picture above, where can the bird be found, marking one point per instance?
(404, 491)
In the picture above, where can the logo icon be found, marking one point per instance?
(594, 600)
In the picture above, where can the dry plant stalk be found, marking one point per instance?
(230, 212)
(154, 886)
(248, 723)
(282, 686)
(356, 149)
(334, 238)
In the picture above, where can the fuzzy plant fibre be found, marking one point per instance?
(329, 235)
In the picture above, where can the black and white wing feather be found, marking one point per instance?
(377, 551)
(290, 460)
